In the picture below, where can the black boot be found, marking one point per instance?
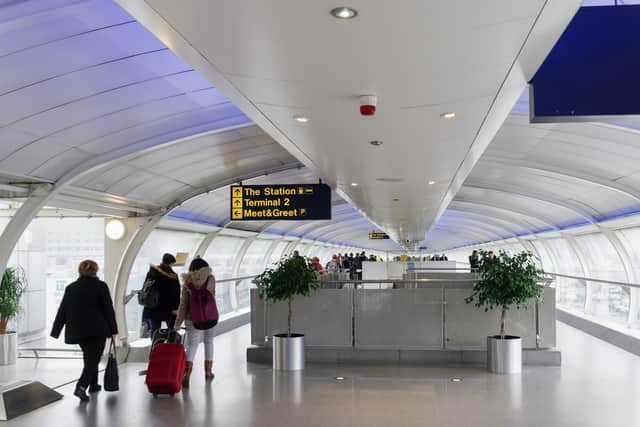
(94, 388)
(81, 393)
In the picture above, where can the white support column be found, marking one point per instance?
(267, 255)
(588, 291)
(237, 262)
(529, 246)
(21, 220)
(312, 246)
(124, 270)
(295, 244)
(288, 250)
(206, 242)
(632, 277)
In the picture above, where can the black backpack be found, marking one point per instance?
(149, 297)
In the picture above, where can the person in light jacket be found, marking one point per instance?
(86, 312)
(199, 275)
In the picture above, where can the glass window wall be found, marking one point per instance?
(571, 293)
(252, 264)
(277, 253)
(49, 252)
(221, 255)
(603, 262)
(158, 243)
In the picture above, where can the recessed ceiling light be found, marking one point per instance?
(344, 12)
(354, 184)
(301, 119)
(340, 378)
(456, 380)
(431, 182)
(376, 143)
(449, 115)
(396, 200)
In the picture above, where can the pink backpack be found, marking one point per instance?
(204, 311)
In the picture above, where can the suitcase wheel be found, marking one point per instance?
(155, 395)
(172, 394)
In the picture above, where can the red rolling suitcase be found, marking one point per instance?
(166, 369)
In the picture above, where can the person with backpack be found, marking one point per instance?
(161, 294)
(199, 312)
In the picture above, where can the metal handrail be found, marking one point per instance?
(589, 279)
(236, 279)
(376, 281)
(542, 281)
(133, 293)
(37, 350)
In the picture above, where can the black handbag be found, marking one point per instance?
(111, 378)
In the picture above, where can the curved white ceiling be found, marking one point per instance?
(280, 58)
(545, 177)
(82, 81)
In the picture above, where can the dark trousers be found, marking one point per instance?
(157, 323)
(92, 349)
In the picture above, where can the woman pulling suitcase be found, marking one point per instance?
(199, 311)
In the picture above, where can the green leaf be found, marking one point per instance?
(290, 277)
(505, 281)
(12, 286)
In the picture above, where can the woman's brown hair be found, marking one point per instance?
(88, 267)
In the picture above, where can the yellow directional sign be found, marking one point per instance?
(236, 202)
(378, 236)
(280, 202)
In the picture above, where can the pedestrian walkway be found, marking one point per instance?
(594, 387)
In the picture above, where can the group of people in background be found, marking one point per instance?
(350, 263)
(435, 257)
(87, 314)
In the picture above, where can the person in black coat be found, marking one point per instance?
(167, 284)
(86, 312)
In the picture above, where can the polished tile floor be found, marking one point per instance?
(598, 385)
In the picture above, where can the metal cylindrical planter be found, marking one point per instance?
(8, 348)
(288, 352)
(504, 356)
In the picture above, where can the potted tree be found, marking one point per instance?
(288, 279)
(505, 281)
(12, 287)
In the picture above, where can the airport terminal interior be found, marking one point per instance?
(385, 143)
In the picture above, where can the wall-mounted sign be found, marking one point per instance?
(280, 202)
(378, 236)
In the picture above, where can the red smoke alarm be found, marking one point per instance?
(368, 105)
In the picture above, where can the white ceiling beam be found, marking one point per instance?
(14, 188)
(485, 225)
(509, 210)
(512, 227)
(541, 199)
(563, 173)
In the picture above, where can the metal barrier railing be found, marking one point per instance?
(45, 352)
(361, 288)
(606, 301)
(37, 352)
(594, 280)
